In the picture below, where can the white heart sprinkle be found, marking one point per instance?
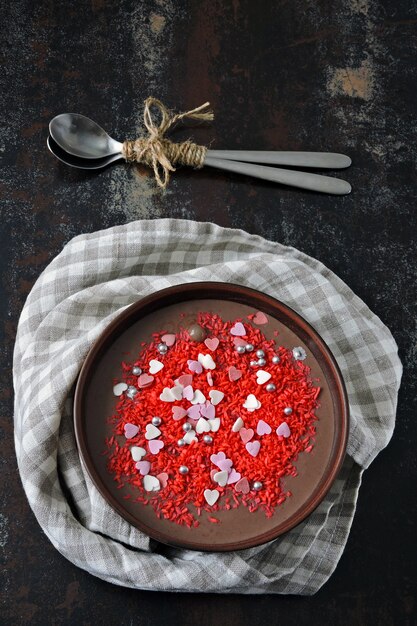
(239, 423)
(119, 389)
(214, 424)
(206, 361)
(202, 426)
(198, 397)
(252, 403)
(177, 391)
(262, 377)
(152, 432)
(221, 478)
(151, 483)
(190, 436)
(155, 366)
(167, 395)
(216, 396)
(211, 496)
(137, 453)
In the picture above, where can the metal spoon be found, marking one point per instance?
(84, 138)
(304, 180)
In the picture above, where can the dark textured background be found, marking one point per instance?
(333, 75)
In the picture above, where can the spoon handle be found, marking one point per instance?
(324, 160)
(304, 180)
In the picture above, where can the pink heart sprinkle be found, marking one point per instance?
(145, 380)
(163, 479)
(212, 343)
(263, 428)
(234, 477)
(144, 467)
(131, 430)
(169, 339)
(283, 430)
(242, 486)
(194, 366)
(155, 445)
(178, 412)
(225, 465)
(238, 341)
(234, 373)
(260, 318)
(238, 330)
(246, 434)
(212, 474)
(194, 412)
(216, 458)
(253, 447)
(209, 379)
(208, 410)
(185, 380)
(188, 393)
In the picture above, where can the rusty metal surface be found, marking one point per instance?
(330, 75)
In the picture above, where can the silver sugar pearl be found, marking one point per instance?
(136, 371)
(187, 427)
(260, 354)
(257, 485)
(208, 439)
(276, 359)
(253, 363)
(261, 362)
(181, 443)
(162, 348)
(299, 354)
(240, 349)
(249, 347)
(288, 410)
(131, 392)
(156, 421)
(183, 469)
(270, 387)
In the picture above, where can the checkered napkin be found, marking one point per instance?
(94, 278)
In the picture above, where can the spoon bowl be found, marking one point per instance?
(82, 137)
(79, 162)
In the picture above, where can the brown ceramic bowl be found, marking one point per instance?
(95, 402)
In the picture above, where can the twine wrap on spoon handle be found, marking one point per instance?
(161, 153)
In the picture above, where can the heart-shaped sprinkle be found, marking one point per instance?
(168, 339)
(137, 453)
(206, 361)
(194, 366)
(202, 426)
(211, 496)
(209, 379)
(234, 373)
(151, 483)
(163, 479)
(145, 380)
(239, 423)
(251, 403)
(263, 428)
(152, 432)
(238, 330)
(212, 343)
(253, 447)
(208, 410)
(190, 436)
(213, 473)
(188, 392)
(214, 424)
(260, 318)
(194, 412)
(185, 379)
(262, 377)
(155, 445)
(143, 467)
(167, 395)
(216, 396)
(221, 478)
(119, 389)
(283, 430)
(155, 366)
(177, 392)
(225, 465)
(131, 430)
(178, 412)
(238, 341)
(246, 434)
(216, 458)
(198, 397)
(233, 477)
(242, 486)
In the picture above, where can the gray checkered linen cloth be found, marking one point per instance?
(90, 282)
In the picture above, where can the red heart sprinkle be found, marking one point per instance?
(163, 479)
(238, 341)
(234, 373)
(178, 412)
(260, 318)
(145, 380)
(185, 380)
(212, 343)
(242, 486)
(168, 339)
(246, 434)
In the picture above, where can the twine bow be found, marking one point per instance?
(161, 153)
